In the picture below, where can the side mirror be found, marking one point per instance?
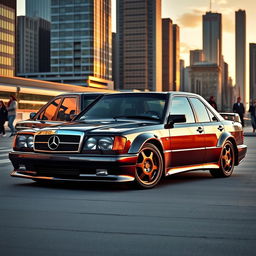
(173, 119)
(32, 115)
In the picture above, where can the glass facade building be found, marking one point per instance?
(38, 8)
(33, 45)
(252, 71)
(81, 40)
(212, 37)
(139, 45)
(7, 37)
(240, 50)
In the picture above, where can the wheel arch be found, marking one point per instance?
(226, 136)
(141, 139)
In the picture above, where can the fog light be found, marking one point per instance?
(22, 167)
(101, 172)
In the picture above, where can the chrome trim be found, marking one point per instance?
(60, 132)
(108, 178)
(189, 149)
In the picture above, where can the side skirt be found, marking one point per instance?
(208, 166)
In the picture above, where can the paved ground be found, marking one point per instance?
(188, 214)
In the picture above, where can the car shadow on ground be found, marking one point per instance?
(83, 185)
(172, 180)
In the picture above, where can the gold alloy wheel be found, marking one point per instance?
(227, 161)
(149, 166)
(227, 158)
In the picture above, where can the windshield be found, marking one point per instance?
(132, 106)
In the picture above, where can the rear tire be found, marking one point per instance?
(149, 167)
(226, 162)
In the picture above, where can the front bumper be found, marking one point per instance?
(75, 167)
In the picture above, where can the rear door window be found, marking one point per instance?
(200, 109)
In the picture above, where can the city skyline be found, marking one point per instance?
(188, 15)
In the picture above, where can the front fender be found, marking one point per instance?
(140, 140)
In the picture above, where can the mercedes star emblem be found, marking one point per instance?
(53, 142)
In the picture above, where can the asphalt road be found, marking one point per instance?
(187, 214)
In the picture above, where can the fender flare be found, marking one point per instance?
(140, 140)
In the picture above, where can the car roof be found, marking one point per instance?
(169, 92)
(82, 93)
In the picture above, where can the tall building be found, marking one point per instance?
(139, 39)
(212, 37)
(182, 75)
(81, 42)
(167, 55)
(33, 45)
(114, 61)
(176, 57)
(7, 37)
(252, 71)
(241, 54)
(206, 80)
(38, 8)
(196, 56)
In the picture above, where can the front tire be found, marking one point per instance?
(227, 161)
(149, 167)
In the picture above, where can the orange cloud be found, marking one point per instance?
(191, 19)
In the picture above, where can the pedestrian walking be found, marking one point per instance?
(238, 108)
(212, 102)
(3, 118)
(252, 110)
(12, 109)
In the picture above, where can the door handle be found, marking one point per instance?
(221, 128)
(200, 129)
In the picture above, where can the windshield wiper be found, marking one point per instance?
(139, 117)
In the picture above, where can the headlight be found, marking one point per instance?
(105, 143)
(90, 144)
(24, 141)
(21, 141)
(99, 143)
(30, 141)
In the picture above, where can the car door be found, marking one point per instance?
(186, 139)
(213, 128)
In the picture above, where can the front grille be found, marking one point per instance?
(58, 143)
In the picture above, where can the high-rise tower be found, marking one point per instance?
(7, 37)
(81, 41)
(212, 37)
(167, 56)
(252, 71)
(241, 54)
(139, 40)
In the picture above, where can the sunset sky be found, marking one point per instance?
(188, 15)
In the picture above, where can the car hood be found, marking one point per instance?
(103, 126)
